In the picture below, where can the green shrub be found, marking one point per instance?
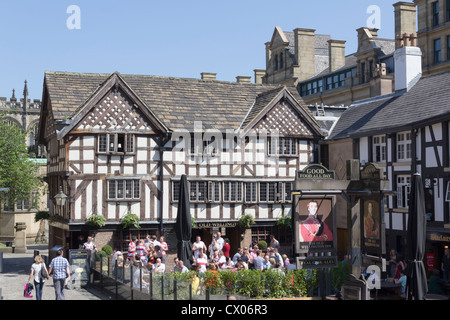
(107, 249)
(262, 245)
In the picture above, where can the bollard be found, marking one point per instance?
(1, 262)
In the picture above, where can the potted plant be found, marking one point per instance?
(130, 219)
(246, 221)
(96, 220)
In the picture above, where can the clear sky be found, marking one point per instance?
(178, 38)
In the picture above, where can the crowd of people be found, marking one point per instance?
(151, 255)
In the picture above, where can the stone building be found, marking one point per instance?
(24, 113)
(434, 34)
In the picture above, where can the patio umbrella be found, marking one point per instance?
(183, 227)
(416, 285)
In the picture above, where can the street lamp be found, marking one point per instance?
(60, 198)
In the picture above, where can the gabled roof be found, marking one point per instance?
(427, 101)
(174, 102)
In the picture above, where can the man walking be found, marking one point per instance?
(61, 271)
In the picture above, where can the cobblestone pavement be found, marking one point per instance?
(16, 270)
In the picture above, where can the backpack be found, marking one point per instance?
(43, 273)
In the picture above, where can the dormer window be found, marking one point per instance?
(281, 61)
(276, 62)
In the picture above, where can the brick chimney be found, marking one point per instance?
(405, 19)
(304, 46)
(336, 50)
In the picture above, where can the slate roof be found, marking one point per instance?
(177, 102)
(427, 101)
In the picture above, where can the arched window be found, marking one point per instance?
(276, 62)
(281, 61)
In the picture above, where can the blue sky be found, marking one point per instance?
(176, 38)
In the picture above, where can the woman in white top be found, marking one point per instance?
(36, 273)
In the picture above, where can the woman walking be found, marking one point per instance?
(37, 274)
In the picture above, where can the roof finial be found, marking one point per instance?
(13, 95)
(25, 90)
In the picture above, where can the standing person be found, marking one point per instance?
(226, 248)
(274, 242)
(164, 248)
(258, 261)
(36, 268)
(131, 248)
(445, 265)
(141, 251)
(198, 244)
(89, 244)
(220, 241)
(61, 271)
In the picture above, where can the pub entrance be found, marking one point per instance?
(206, 231)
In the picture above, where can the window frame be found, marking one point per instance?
(122, 185)
(437, 52)
(403, 191)
(404, 145)
(108, 143)
(228, 192)
(379, 142)
(435, 13)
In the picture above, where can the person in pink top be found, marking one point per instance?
(164, 248)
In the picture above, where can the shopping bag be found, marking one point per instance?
(28, 290)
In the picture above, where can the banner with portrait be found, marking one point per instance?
(371, 226)
(315, 232)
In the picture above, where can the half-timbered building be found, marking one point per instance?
(404, 132)
(118, 144)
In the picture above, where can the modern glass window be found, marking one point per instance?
(435, 13)
(437, 50)
(379, 148)
(124, 189)
(403, 190)
(404, 146)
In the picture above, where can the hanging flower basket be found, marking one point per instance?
(284, 223)
(96, 220)
(246, 221)
(130, 219)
